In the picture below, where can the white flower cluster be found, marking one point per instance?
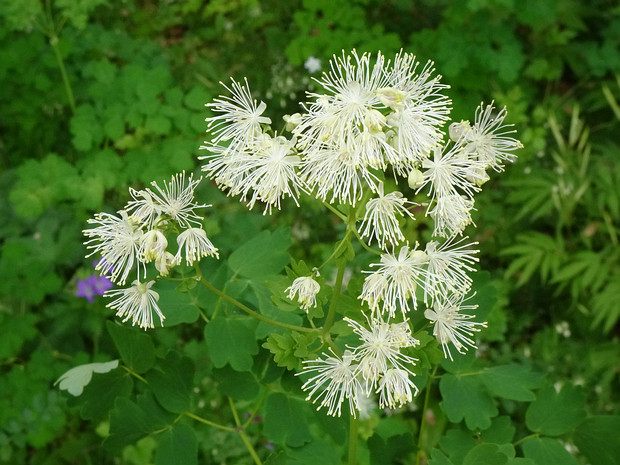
(373, 118)
(137, 235)
(377, 366)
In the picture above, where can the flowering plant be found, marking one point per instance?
(377, 130)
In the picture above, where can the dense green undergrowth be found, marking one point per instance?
(98, 96)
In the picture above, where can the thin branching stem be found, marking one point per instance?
(209, 422)
(251, 312)
(244, 437)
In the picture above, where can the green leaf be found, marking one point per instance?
(514, 382)
(263, 255)
(240, 385)
(128, 423)
(547, 451)
(464, 398)
(178, 307)
(388, 450)
(74, 380)
(135, 347)
(172, 381)
(285, 421)
(268, 309)
(461, 364)
(598, 439)
(556, 413)
(521, 461)
(438, 458)
(344, 252)
(289, 349)
(489, 454)
(318, 451)
(103, 390)
(21, 15)
(456, 443)
(77, 12)
(231, 342)
(196, 98)
(177, 445)
(277, 458)
(16, 329)
(501, 431)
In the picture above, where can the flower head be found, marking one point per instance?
(176, 200)
(334, 382)
(196, 245)
(270, 172)
(449, 172)
(306, 288)
(380, 220)
(452, 327)
(488, 139)
(396, 280)
(137, 303)
(448, 264)
(451, 214)
(238, 117)
(380, 349)
(118, 240)
(396, 388)
(153, 245)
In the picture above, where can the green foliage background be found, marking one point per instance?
(100, 95)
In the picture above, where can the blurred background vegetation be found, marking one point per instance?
(100, 95)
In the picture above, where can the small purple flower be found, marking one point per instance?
(93, 285)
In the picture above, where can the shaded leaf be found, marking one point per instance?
(514, 382)
(128, 423)
(178, 307)
(171, 381)
(231, 342)
(463, 398)
(285, 422)
(547, 451)
(240, 385)
(263, 255)
(177, 445)
(489, 454)
(103, 390)
(555, 413)
(598, 438)
(135, 347)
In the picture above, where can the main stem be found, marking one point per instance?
(331, 314)
(353, 424)
(427, 395)
(63, 71)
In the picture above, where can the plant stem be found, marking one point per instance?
(208, 422)
(331, 314)
(251, 312)
(427, 396)
(353, 424)
(63, 71)
(244, 437)
(133, 373)
(255, 411)
(533, 435)
(50, 29)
